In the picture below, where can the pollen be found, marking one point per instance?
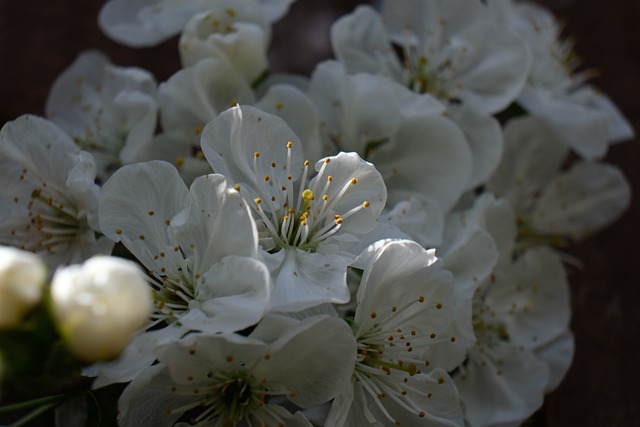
(308, 196)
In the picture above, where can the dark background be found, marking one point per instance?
(38, 39)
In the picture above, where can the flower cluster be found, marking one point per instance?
(379, 243)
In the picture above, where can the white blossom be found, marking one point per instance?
(304, 220)
(450, 49)
(109, 111)
(22, 279)
(237, 380)
(49, 202)
(200, 247)
(99, 305)
(404, 304)
(556, 90)
(552, 204)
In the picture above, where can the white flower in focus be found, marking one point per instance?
(109, 111)
(404, 304)
(99, 305)
(141, 23)
(22, 277)
(200, 247)
(311, 225)
(49, 201)
(228, 380)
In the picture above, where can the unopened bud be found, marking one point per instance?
(22, 276)
(99, 305)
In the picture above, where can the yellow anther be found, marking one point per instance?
(308, 196)
(327, 160)
(421, 298)
(279, 105)
(258, 200)
(273, 164)
(289, 144)
(179, 161)
(256, 154)
(354, 181)
(197, 131)
(236, 187)
(266, 177)
(306, 163)
(339, 221)
(291, 211)
(325, 197)
(330, 178)
(365, 204)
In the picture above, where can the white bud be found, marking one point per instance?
(22, 276)
(99, 305)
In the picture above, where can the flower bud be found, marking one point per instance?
(99, 305)
(22, 276)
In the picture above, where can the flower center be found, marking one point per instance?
(299, 215)
(385, 361)
(53, 225)
(230, 398)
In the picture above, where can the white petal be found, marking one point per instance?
(433, 158)
(315, 360)
(142, 200)
(535, 294)
(400, 273)
(217, 214)
(367, 187)
(360, 41)
(297, 109)
(234, 295)
(484, 136)
(503, 387)
(532, 156)
(305, 279)
(582, 201)
(230, 141)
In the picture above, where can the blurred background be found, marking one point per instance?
(39, 39)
